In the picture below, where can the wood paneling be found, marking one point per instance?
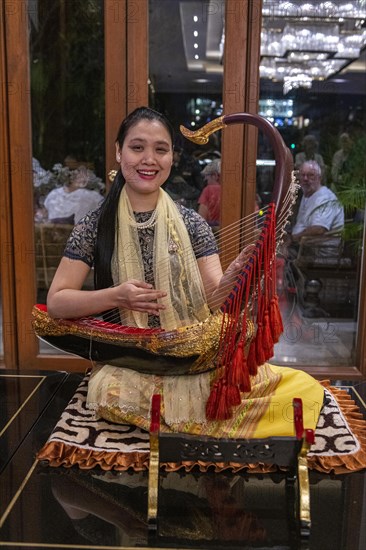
(240, 94)
(115, 33)
(137, 54)
(20, 157)
(6, 238)
(126, 65)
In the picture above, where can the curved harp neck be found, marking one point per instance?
(283, 157)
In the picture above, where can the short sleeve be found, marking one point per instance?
(81, 243)
(201, 235)
(326, 214)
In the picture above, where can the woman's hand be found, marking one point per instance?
(67, 300)
(219, 285)
(234, 268)
(138, 296)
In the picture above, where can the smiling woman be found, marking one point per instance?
(145, 158)
(156, 262)
(125, 259)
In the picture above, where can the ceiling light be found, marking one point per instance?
(195, 45)
(195, 33)
(195, 18)
(302, 42)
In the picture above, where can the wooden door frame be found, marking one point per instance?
(240, 94)
(126, 65)
(10, 344)
(126, 69)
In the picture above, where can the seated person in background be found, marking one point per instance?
(209, 200)
(70, 203)
(310, 147)
(320, 210)
(340, 157)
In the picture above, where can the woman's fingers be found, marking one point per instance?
(140, 296)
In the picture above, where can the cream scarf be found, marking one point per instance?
(175, 268)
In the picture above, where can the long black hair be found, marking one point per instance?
(105, 241)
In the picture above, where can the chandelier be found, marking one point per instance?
(302, 42)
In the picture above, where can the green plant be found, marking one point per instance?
(351, 192)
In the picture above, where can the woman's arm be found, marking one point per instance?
(66, 299)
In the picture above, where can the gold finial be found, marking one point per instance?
(201, 135)
(111, 175)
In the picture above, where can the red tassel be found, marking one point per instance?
(251, 359)
(239, 373)
(233, 396)
(237, 365)
(217, 407)
(275, 319)
(223, 411)
(245, 384)
(211, 405)
(267, 340)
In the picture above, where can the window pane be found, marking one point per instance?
(67, 98)
(313, 89)
(187, 87)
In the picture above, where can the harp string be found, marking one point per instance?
(243, 227)
(230, 247)
(247, 229)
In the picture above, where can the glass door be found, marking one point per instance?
(68, 120)
(313, 89)
(71, 79)
(187, 88)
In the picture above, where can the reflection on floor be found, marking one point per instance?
(43, 507)
(317, 341)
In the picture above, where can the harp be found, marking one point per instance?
(240, 335)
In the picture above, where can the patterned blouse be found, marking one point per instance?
(81, 243)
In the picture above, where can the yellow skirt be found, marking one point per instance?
(124, 396)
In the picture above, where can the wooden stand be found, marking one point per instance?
(285, 452)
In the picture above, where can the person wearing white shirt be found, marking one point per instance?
(319, 213)
(70, 203)
(320, 210)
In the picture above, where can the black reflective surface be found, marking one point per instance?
(43, 507)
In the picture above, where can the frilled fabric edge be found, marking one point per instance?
(352, 462)
(57, 454)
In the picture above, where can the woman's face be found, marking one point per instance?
(146, 157)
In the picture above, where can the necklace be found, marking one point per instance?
(150, 222)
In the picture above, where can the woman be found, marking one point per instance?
(157, 264)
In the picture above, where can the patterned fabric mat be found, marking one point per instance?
(79, 438)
